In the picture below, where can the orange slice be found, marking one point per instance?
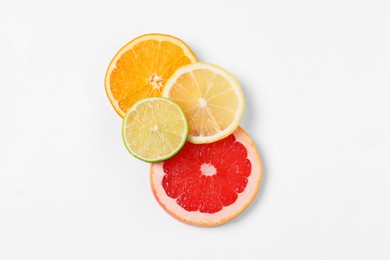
(142, 66)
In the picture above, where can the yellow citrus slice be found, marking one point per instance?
(141, 68)
(154, 129)
(211, 99)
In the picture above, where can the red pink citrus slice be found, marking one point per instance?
(209, 184)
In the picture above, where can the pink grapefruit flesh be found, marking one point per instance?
(209, 184)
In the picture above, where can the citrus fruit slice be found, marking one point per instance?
(211, 98)
(209, 184)
(154, 129)
(142, 66)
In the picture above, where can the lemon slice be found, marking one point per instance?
(154, 129)
(211, 99)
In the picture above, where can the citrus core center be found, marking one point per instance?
(208, 169)
(154, 128)
(202, 102)
(156, 81)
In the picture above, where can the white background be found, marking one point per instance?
(316, 78)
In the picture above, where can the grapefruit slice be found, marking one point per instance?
(154, 129)
(211, 98)
(209, 184)
(141, 68)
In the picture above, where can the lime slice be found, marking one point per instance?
(154, 129)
